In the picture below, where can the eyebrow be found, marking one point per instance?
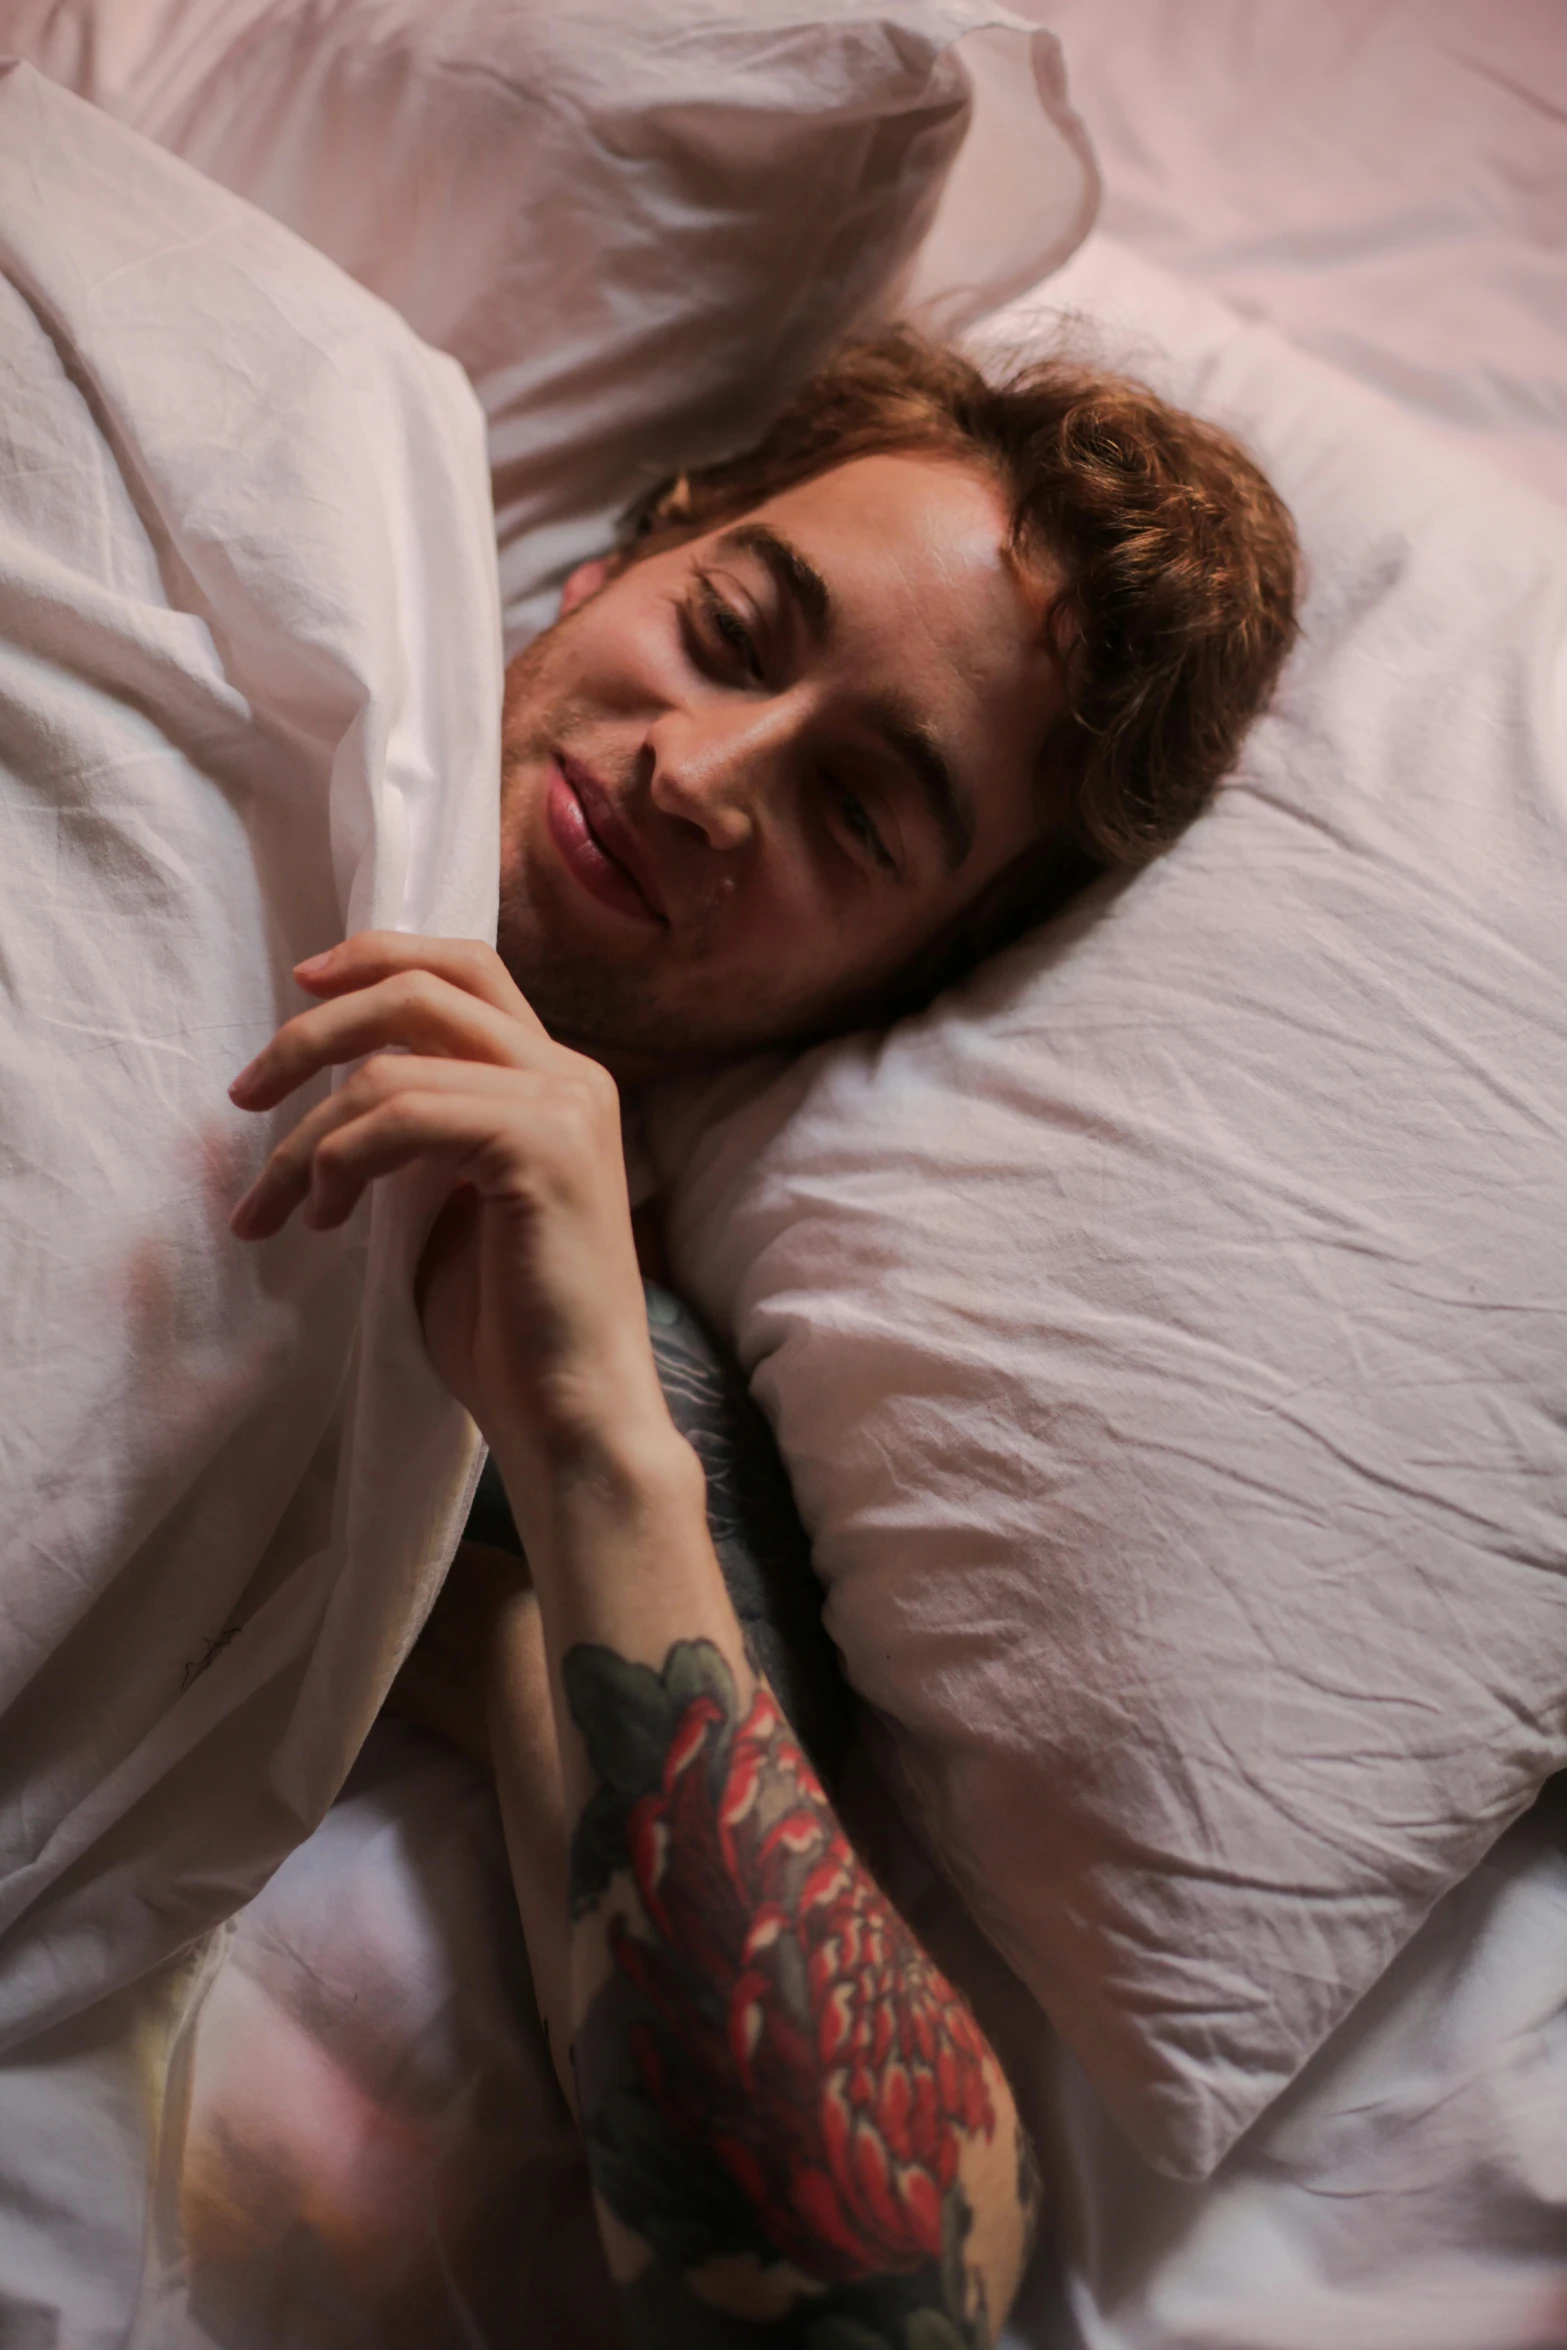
(906, 736)
(793, 574)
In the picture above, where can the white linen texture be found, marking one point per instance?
(637, 223)
(1166, 1334)
(249, 696)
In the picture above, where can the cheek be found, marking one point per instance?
(623, 659)
(805, 951)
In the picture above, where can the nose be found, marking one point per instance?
(720, 765)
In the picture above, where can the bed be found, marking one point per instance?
(366, 2142)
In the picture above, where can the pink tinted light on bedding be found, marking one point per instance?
(1385, 180)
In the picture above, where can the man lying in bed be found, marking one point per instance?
(848, 712)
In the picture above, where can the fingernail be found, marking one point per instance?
(242, 1083)
(315, 962)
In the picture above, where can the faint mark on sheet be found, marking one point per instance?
(193, 1672)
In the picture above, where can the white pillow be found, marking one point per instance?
(1387, 185)
(1167, 1336)
(636, 223)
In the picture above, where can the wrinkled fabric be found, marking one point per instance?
(637, 223)
(1166, 1335)
(1408, 2192)
(1432, 2114)
(373, 2134)
(249, 699)
(375, 2145)
(1384, 180)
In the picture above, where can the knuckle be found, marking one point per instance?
(600, 1093)
(331, 1151)
(474, 967)
(586, 1116)
(382, 1125)
(409, 991)
(371, 1084)
(288, 1162)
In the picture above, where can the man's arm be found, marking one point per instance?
(791, 2118)
(796, 2131)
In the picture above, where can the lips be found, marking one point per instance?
(598, 849)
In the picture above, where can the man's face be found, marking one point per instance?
(746, 780)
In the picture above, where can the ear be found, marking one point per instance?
(586, 581)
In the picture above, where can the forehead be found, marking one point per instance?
(923, 607)
(923, 596)
(910, 540)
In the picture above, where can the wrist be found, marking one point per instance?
(576, 1408)
(610, 1475)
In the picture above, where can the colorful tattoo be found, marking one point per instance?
(776, 2084)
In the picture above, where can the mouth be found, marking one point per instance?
(597, 848)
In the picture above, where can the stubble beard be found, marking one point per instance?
(619, 1016)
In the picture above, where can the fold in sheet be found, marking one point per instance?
(249, 701)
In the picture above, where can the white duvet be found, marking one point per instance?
(328, 2130)
(249, 696)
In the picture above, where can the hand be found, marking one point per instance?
(529, 1291)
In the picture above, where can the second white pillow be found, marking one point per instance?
(1166, 1334)
(638, 223)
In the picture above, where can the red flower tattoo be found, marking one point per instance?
(797, 2030)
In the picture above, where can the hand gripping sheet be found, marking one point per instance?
(249, 701)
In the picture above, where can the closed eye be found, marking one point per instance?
(718, 633)
(860, 824)
(723, 645)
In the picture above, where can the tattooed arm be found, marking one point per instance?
(797, 2133)
(788, 2110)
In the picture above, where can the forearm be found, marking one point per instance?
(525, 1760)
(783, 2102)
(618, 1534)
(791, 2118)
(615, 1530)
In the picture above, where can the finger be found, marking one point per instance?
(452, 1130)
(378, 954)
(415, 1009)
(285, 1182)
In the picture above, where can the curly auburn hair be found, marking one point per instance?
(1181, 576)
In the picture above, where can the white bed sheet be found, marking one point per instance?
(1386, 182)
(1223, 132)
(249, 700)
(1275, 154)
